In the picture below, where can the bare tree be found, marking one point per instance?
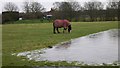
(96, 5)
(10, 6)
(112, 10)
(112, 5)
(75, 5)
(33, 10)
(56, 5)
(26, 7)
(66, 10)
(119, 10)
(36, 7)
(92, 8)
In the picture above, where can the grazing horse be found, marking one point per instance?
(61, 23)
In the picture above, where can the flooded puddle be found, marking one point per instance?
(95, 48)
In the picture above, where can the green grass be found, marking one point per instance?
(0, 45)
(29, 21)
(24, 37)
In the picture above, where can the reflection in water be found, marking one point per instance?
(95, 48)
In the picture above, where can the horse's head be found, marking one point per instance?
(69, 28)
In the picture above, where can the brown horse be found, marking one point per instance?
(61, 23)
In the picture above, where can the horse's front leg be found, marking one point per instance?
(64, 30)
(58, 30)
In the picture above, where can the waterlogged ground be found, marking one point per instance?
(95, 48)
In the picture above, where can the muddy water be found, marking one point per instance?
(95, 48)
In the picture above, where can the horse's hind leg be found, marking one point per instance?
(58, 30)
(54, 30)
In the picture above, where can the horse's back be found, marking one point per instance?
(61, 23)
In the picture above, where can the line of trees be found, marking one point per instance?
(71, 10)
(91, 11)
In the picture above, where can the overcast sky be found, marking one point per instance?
(48, 4)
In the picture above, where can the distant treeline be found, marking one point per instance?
(90, 15)
(73, 11)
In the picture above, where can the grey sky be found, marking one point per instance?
(46, 3)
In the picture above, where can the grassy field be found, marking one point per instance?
(29, 21)
(24, 37)
(0, 45)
